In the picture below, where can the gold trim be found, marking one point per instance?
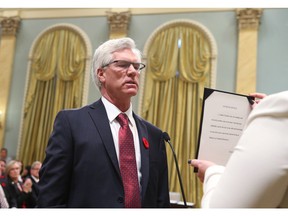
(43, 13)
(10, 25)
(119, 23)
(249, 18)
(248, 26)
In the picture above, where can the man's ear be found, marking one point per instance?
(100, 74)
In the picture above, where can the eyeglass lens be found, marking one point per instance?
(126, 64)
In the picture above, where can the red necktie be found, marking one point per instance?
(128, 166)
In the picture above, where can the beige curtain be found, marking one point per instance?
(56, 82)
(174, 84)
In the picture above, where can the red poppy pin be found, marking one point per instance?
(145, 143)
(3, 184)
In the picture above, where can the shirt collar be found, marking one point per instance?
(35, 179)
(113, 111)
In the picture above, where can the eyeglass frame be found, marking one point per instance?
(141, 65)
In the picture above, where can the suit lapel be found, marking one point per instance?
(99, 116)
(101, 122)
(143, 133)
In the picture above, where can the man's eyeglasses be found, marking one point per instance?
(126, 64)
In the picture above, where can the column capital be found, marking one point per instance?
(10, 25)
(249, 18)
(118, 22)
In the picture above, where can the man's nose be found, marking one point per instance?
(132, 70)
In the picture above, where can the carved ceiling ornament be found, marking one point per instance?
(10, 25)
(249, 18)
(119, 22)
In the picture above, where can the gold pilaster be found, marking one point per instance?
(9, 27)
(248, 25)
(118, 23)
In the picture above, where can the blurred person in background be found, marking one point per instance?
(4, 155)
(3, 200)
(34, 176)
(18, 194)
(26, 171)
(2, 167)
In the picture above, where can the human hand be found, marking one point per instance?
(202, 166)
(258, 97)
(27, 186)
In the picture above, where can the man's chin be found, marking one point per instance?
(132, 92)
(132, 89)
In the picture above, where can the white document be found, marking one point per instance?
(223, 117)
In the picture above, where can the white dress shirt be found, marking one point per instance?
(113, 112)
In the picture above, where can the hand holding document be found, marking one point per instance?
(223, 118)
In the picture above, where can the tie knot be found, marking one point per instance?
(122, 118)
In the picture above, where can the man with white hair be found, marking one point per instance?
(104, 155)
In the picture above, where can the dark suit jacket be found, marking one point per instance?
(81, 167)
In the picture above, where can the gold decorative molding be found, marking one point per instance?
(118, 22)
(49, 13)
(248, 26)
(249, 18)
(10, 25)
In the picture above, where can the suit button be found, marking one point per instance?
(120, 199)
